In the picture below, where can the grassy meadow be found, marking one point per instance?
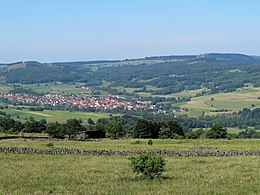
(233, 101)
(57, 88)
(5, 88)
(131, 144)
(53, 115)
(75, 174)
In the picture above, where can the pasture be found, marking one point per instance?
(62, 88)
(77, 174)
(233, 101)
(5, 88)
(138, 144)
(53, 115)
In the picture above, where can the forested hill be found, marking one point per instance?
(168, 74)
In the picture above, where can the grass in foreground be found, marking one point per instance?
(74, 174)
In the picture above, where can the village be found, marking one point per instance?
(102, 103)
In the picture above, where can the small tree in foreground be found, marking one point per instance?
(149, 165)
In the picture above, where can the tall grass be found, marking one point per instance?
(66, 174)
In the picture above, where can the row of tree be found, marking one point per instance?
(124, 126)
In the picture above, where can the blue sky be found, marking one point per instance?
(74, 30)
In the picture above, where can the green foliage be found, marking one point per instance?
(150, 142)
(217, 131)
(149, 165)
(114, 130)
(142, 129)
(55, 130)
(72, 126)
(249, 133)
(172, 130)
(175, 128)
(31, 119)
(165, 133)
(33, 127)
(90, 121)
(195, 134)
(50, 145)
(146, 129)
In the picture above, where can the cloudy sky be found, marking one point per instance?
(75, 30)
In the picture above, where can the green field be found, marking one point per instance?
(183, 94)
(57, 88)
(54, 115)
(128, 62)
(232, 130)
(5, 88)
(75, 174)
(128, 144)
(233, 101)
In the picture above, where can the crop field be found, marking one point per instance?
(233, 101)
(77, 174)
(53, 115)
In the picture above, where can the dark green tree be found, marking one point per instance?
(175, 128)
(72, 126)
(216, 132)
(55, 130)
(141, 129)
(114, 129)
(90, 121)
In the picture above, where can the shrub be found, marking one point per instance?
(150, 142)
(149, 165)
(50, 145)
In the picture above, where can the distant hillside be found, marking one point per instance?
(214, 71)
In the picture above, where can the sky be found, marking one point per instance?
(77, 30)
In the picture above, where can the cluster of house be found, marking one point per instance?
(109, 102)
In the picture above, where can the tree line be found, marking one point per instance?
(115, 128)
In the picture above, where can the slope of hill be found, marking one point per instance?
(165, 74)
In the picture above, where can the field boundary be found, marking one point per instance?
(186, 153)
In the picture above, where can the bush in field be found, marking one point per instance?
(50, 145)
(149, 165)
(150, 142)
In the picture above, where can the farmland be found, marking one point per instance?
(246, 97)
(53, 115)
(58, 88)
